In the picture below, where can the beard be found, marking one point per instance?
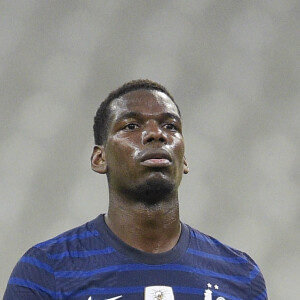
(152, 191)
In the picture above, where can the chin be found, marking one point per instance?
(154, 190)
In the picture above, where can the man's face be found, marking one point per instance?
(144, 151)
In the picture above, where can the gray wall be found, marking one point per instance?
(232, 66)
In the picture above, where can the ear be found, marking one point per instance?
(98, 161)
(185, 166)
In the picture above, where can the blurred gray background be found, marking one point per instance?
(232, 66)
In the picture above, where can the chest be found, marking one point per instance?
(139, 281)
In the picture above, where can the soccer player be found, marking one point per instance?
(140, 249)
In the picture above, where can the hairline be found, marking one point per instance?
(120, 96)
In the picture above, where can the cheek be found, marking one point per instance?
(178, 146)
(122, 151)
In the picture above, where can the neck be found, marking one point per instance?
(153, 228)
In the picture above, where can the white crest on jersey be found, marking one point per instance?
(159, 292)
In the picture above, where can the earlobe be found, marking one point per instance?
(185, 166)
(98, 161)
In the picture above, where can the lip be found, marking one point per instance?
(155, 158)
(156, 162)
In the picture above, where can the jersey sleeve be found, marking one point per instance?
(257, 284)
(32, 278)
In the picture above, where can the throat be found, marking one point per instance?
(153, 230)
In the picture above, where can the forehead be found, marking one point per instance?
(150, 102)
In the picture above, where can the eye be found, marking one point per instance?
(170, 127)
(131, 126)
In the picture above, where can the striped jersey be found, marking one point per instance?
(91, 263)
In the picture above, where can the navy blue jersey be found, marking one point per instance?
(91, 263)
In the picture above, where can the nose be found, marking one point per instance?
(153, 133)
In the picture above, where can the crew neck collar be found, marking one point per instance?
(141, 256)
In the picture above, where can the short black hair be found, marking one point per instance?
(103, 113)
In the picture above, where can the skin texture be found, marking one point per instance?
(144, 161)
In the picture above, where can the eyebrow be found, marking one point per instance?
(137, 115)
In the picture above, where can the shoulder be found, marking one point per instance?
(36, 271)
(215, 247)
(226, 259)
(70, 238)
(66, 241)
(47, 256)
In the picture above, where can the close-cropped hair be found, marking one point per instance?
(101, 120)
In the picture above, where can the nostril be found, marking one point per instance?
(161, 139)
